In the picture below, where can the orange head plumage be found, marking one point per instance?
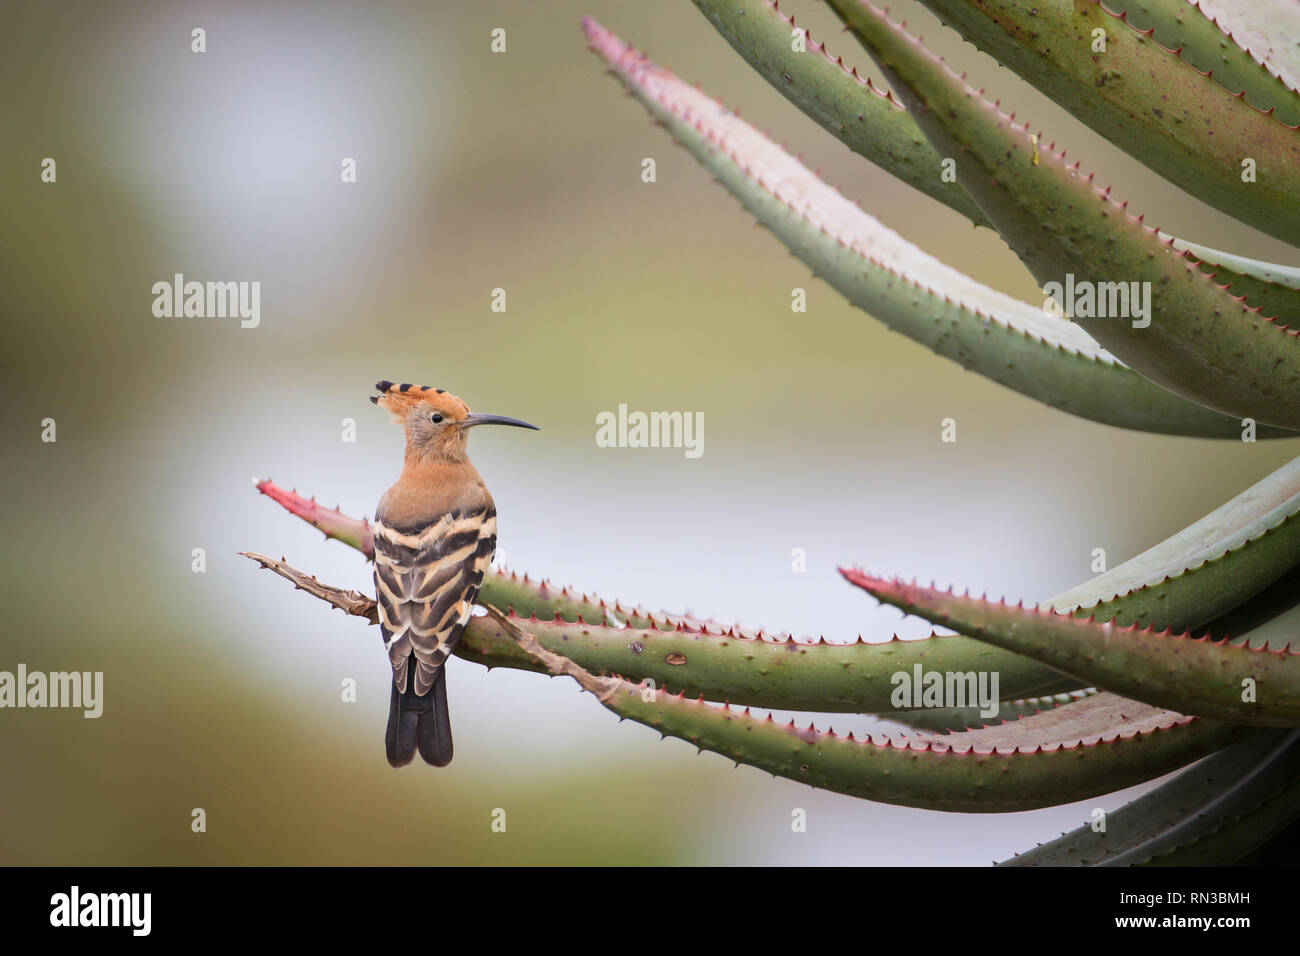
(437, 423)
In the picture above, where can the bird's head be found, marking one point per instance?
(437, 423)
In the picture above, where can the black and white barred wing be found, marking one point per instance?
(426, 580)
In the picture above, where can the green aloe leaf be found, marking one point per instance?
(1231, 682)
(1204, 44)
(1079, 749)
(1196, 809)
(1011, 342)
(1204, 571)
(1072, 752)
(1273, 289)
(753, 671)
(785, 674)
(876, 126)
(1174, 118)
(1270, 617)
(867, 120)
(1191, 335)
(1236, 839)
(1269, 29)
(1021, 765)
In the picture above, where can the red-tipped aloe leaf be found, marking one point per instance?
(333, 523)
(1230, 682)
(501, 587)
(753, 671)
(1214, 565)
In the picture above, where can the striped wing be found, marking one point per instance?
(426, 580)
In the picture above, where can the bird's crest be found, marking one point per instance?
(399, 400)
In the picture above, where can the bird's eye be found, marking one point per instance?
(435, 418)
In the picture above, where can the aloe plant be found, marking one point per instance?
(1188, 652)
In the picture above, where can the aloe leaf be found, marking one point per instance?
(1231, 682)
(948, 719)
(1270, 617)
(1237, 838)
(1202, 799)
(1013, 343)
(1188, 334)
(1174, 118)
(817, 676)
(1079, 749)
(528, 596)
(501, 587)
(1207, 569)
(1274, 289)
(333, 523)
(1269, 29)
(867, 120)
(1185, 581)
(1203, 43)
(1076, 751)
(876, 126)
(753, 671)
(1019, 766)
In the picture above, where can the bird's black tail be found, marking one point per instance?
(419, 723)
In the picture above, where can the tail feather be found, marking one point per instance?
(419, 723)
(433, 731)
(399, 740)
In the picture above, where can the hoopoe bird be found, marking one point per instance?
(435, 533)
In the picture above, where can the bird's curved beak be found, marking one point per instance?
(471, 420)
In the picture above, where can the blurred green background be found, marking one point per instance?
(478, 171)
